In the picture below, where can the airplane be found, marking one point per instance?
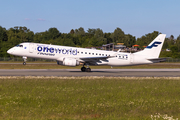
(73, 56)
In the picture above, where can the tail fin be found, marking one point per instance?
(154, 48)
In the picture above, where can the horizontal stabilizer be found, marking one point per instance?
(157, 60)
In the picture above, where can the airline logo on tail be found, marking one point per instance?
(155, 44)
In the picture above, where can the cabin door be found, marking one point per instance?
(31, 47)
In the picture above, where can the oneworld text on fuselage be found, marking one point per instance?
(69, 51)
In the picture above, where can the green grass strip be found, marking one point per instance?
(89, 98)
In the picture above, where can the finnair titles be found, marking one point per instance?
(73, 56)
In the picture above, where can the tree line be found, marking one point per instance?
(81, 38)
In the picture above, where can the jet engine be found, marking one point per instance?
(68, 62)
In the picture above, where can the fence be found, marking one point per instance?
(13, 59)
(172, 60)
(45, 60)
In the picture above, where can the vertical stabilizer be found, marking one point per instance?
(154, 48)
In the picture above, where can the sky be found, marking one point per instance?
(135, 17)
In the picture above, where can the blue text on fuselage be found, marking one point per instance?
(69, 51)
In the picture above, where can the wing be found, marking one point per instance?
(94, 60)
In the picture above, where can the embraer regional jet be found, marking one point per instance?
(73, 56)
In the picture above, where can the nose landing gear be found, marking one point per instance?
(24, 59)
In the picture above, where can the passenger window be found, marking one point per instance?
(81, 52)
(85, 52)
(92, 53)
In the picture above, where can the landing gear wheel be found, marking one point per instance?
(88, 69)
(83, 69)
(24, 59)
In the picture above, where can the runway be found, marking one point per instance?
(95, 72)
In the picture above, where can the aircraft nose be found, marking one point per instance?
(10, 51)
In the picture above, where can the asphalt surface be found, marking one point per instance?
(95, 72)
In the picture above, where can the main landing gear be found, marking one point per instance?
(24, 59)
(84, 69)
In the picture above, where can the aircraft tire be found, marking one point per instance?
(24, 63)
(83, 69)
(88, 69)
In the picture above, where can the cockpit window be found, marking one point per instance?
(19, 45)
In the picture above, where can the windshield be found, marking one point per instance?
(19, 45)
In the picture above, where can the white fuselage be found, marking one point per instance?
(56, 52)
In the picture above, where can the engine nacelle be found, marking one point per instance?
(68, 62)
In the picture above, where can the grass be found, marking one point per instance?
(53, 65)
(89, 98)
